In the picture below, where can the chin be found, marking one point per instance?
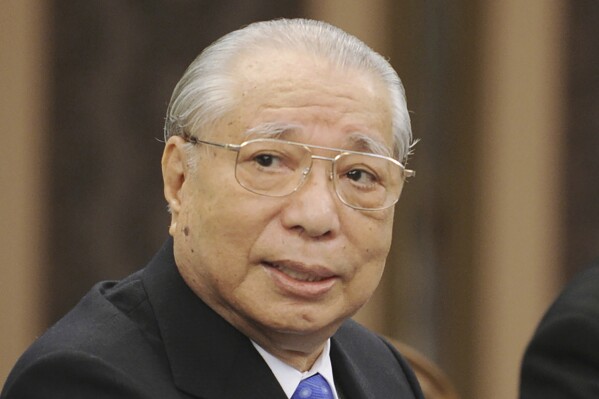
(305, 323)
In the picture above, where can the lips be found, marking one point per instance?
(299, 279)
(297, 274)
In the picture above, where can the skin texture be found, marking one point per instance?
(228, 240)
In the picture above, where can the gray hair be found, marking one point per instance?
(204, 93)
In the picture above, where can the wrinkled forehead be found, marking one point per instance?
(275, 92)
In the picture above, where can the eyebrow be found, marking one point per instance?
(271, 130)
(356, 141)
(369, 144)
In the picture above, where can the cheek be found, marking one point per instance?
(371, 234)
(368, 275)
(372, 243)
(223, 227)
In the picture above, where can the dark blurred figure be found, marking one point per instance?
(562, 360)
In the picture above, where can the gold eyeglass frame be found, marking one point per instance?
(406, 173)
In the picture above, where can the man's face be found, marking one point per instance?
(293, 266)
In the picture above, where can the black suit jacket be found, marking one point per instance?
(562, 360)
(150, 336)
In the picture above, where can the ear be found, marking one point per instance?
(174, 172)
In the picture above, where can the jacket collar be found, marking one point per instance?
(350, 381)
(378, 372)
(208, 357)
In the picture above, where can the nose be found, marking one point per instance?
(314, 208)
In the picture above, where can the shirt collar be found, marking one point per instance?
(289, 377)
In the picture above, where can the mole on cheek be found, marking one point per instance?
(186, 231)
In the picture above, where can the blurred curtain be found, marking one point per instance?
(113, 67)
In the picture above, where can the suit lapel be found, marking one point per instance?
(208, 357)
(350, 382)
(366, 368)
(251, 378)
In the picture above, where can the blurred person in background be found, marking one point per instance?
(562, 360)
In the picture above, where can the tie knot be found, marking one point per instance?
(314, 387)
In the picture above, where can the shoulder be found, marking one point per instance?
(68, 373)
(110, 316)
(575, 312)
(562, 358)
(581, 294)
(108, 338)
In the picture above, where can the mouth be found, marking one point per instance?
(299, 279)
(296, 274)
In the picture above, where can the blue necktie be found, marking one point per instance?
(315, 387)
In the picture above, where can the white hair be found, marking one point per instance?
(205, 92)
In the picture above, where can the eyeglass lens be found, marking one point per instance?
(278, 168)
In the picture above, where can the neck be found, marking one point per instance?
(301, 361)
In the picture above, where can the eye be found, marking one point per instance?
(361, 176)
(265, 160)
(270, 161)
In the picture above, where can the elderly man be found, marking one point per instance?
(281, 172)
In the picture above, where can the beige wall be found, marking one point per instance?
(22, 121)
(518, 254)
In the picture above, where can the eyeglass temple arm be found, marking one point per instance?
(232, 147)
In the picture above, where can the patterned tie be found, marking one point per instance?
(315, 387)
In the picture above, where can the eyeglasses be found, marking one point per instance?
(277, 168)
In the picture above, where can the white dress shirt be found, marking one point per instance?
(289, 377)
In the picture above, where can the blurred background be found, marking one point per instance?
(504, 97)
